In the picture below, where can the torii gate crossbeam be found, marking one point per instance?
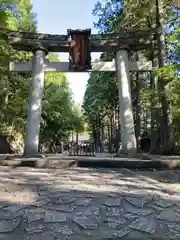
(97, 66)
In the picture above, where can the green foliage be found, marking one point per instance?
(101, 96)
(59, 117)
(59, 113)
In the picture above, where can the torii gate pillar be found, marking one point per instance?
(35, 104)
(125, 103)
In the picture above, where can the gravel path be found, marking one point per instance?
(93, 204)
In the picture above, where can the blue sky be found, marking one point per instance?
(55, 17)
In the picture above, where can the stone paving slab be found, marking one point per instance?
(82, 203)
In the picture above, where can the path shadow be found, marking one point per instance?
(82, 203)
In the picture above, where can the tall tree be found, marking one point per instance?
(59, 117)
(114, 15)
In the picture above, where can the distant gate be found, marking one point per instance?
(83, 148)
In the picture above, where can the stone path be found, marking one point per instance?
(93, 204)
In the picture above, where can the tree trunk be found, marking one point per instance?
(99, 132)
(109, 139)
(102, 137)
(97, 136)
(167, 136)
(112, 135)
(138, 116)
(77, 142)
(94, 136)
(72, 136)
(155, 135)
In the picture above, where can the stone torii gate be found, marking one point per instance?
(40, 44)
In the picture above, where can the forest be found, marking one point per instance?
(60, 114)
(155, 95)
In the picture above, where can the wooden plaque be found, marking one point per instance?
(79, 49)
